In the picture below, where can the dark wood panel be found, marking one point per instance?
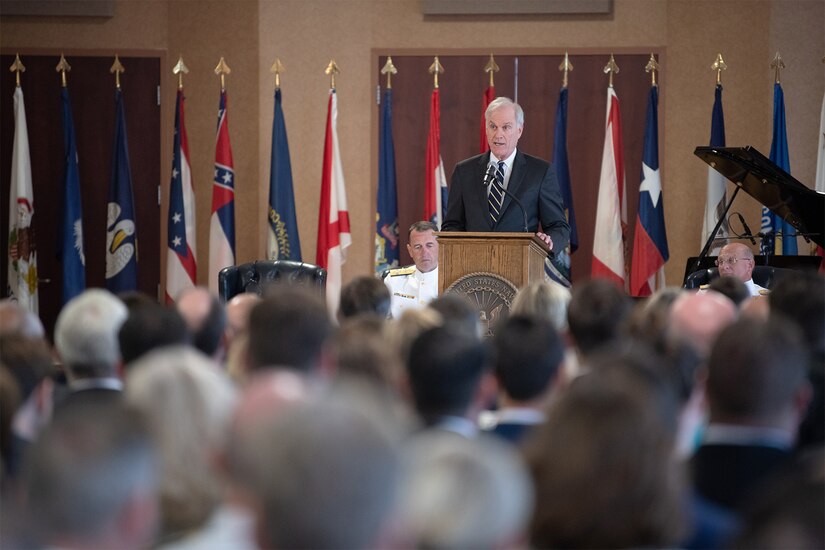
(91, 88)
(539, 82)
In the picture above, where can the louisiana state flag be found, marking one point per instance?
(71, 248)
(650, 240)
(121, 238)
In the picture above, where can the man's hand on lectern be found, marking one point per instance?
(546, 238)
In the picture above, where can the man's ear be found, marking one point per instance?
(409, 249)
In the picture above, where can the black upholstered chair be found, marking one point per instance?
(256, 276)
(763, 275)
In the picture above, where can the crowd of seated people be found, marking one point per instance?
(587, 420)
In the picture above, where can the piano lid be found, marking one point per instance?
(774, 188)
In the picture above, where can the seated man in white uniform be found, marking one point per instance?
(736, 260)
(414, 286)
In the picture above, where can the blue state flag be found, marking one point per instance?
(771, 223)
(562, 167)
(121, 237)
(70, 248)
(386, 217)
(283, 242)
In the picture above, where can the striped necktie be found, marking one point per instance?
(496, 196)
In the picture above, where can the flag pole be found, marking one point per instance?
(651, 68)
(222, 69)
(435, 69)
(610, 69)
(719, 65)
(180, 69)
(17, 67)
(389, 70)
(492, 68)
(277, 68)
(565, 67)
(777, 64)
(117, 68)
(63, 67)
(332, 70)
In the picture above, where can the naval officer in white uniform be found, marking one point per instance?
(415, 286)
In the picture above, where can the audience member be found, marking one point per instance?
(29, 362)
(364, 295)
(698, 318)
(324, 475)
(402, 332)
(9, 403)
(187, 402)
(603, 466)
(205, 317)
(527, 358)
(18, 320)
(800, 297)
(649, 319)
(289, 328)
(596, 315)
(360, 349)
(90, 481)
(460, 493)
(732, 288)
(445, 370)
(757, 394)
(237, 314)
(150, 326)
(545, 300)
(86, 340)
(457, 311)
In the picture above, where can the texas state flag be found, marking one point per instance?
(650, 240)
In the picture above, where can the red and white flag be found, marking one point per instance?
(222, 222)
(181, 262)
(333, 218)
(22, 270)
(489, 95)
(611, 208)
(435, 182)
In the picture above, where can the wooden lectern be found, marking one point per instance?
(516, 257)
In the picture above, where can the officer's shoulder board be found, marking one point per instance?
(704, 287)
(401, 271)
(764, 291)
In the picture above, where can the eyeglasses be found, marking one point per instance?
(731, 261)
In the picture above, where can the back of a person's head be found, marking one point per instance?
(288, 328)
(732, 287)
(90, 472)
(463, 493)
(361, 349)
(27, 359)
(402, 332)
(603, 464)
(597, 311)
(457, 311)
(527, 355)
(205, 317)
(325, 474)
(649, 318)
(800, 297)
(543, 299)
(364, 295)
(755, 369)
(187, 401)
(444, 368)
(697, 318)
(150, 326)
(15, 319)
(86, 333)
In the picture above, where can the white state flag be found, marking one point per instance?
(22, 251)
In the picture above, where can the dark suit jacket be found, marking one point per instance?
(726, 474)
(533, 181)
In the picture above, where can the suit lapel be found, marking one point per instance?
(479, 191)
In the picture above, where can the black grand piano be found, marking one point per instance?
(800, 206)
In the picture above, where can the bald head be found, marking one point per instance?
(206, 318)
(698, 317)
(237, 312)
(736, 260)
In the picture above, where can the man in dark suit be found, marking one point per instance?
(476, 201)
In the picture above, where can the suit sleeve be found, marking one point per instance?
(551, 210)
(456, 219)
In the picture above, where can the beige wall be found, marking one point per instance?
(305, 34)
